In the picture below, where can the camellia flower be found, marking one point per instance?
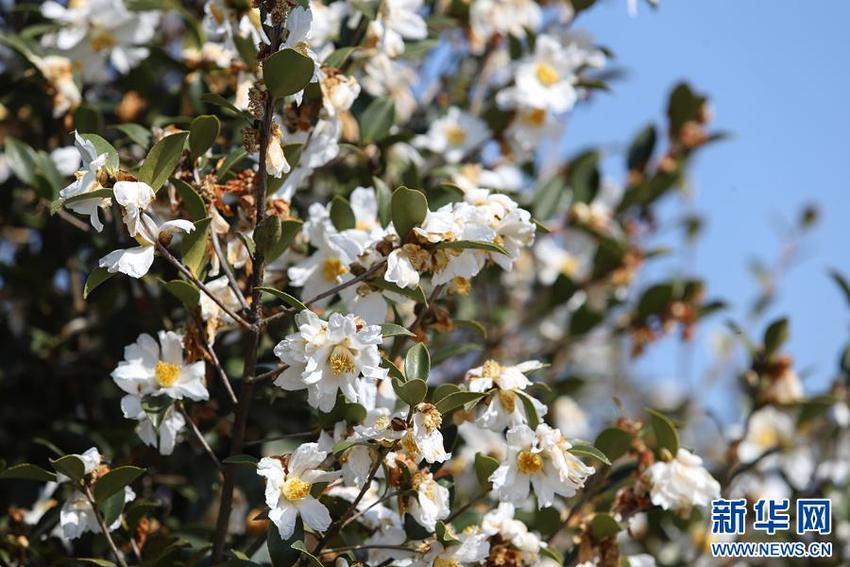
(513, 533)
(165, 436)
(454, 135)
(397, 20)
(545, 81)
(288, 482)
(431, 501)
(328, 357)
(393, 79)
(538, 459)
(767, 429)
(59, 72)
(86, 182)
(472, 549)
(681, 483)
(424, 440)
(504, 407)
(151, 368)
(76, 516)
(570, 255)
(501, 17)
(276, 164)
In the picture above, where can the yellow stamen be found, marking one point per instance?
(528, 462)
(332, 268)
(102, 40)
(546, 74)
(166, 373)
(492, 369)
(455, 135)
(431, 417)
(408, 443)
(536, 117)
(767, 438)
(341, 360)
(295, 489)
(508, 400)
(569, 266)
(440, 562)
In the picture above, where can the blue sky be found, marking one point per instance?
(777, 77)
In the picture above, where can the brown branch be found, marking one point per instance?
(103, 527)
(225, 381)
(199, 436)
(228, 270)
(270, 375)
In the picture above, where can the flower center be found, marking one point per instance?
(528, 462)
(508, 400)
(341, 360)
(332, 268)
(492, 369)
(101, 39)
(441, 562)
(166, 373)
(455, 135)
(431, 417)
(536, 117)
(767, 437)
(569, 266)
(546, 74)
(217, 13)
(295, 489)
(408, 443)
(382, 422)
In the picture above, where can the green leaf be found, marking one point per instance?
(246, 48)
(393, 369)
(96, 194)
(155, 408)
(194, 246)
(458, 399)
(444, 536)
(548, 196)
(666, 436)
(244, 460)
(342, 215)
(338, 57)
(267, 234)
(384, 197)
(393, 330)
(202, 134)
(102, 146)
(21, 160)
(288, 230)
(27, 471)
(417, 363)
(585, 450)
(96, 277)
(411, 392)
(775, 335)
(583, 176)
(71, 466)
(376, 120)
(281, 552)
(485, 466)
(409, 208)
(115, 480)
(603, 526)
(193, 203)
(95, 561)
(112, 507)
(842, 283)
(88, 119)
(442, 391)
(184, 291)
(344, 445)
(530, 410)
(416, 293)
(162, 159)
(311, 559)
(287, 72)
(137, 133)
(291, 301)
(640, 151)
(222, 102)
(614, 442)
(473, 244)
(552, 553)
(248, 243)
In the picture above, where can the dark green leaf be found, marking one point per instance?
(115, 480)
(291, 301)
(376, 120)
(603, 526)
(184, 291)
(27, 471)
(137, 133)
(342, 215)
(444, 535)
(417, 363)
(88, 120)
(193, 203)
(203, 133)
(775, 335)
(411, 392)
(194, 246)
(484, 467)
(585, 450)
(96, 277)
(666, 436)
(244, 460)
(288, 230)
(409, 208)
(311, 559)
(641, 149)
(442, 391)
(458, 399)
(267, 234)
(473, 244)
(71, 466)
(530, 410)
(393, 330)
(338, 57)
(287, 72)
(162, 159)
(281, 552)
(614, 442)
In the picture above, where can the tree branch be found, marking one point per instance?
(199, 436)
(103, 527)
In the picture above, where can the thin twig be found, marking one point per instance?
(188, 273)
(281, 437)
(383, 498)
(199, 436)
(466, 506)
(330, 292)
(103, 527)
(228, 270)
(225, 381)
(270, 375)
(370, 546)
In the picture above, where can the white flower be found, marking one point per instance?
(288, 489)
(386, 77)
(681, 483)
(211, 312)
(570, 255)
(431, 502)
(86, 182)
(136, 261)
(570, 418)
(134, 197)
(76, 516)
(59, 73)
(504, 407)
(66, 159)
(397, 20)
(472, 550)
(453, 222)
(514, 532)
(151, 368)
(99, 30)
(501, 17)
(276, 164)
(165, 437)
(324, 268)
(404, 264)
(529, 129)
(785, 388)
(339, 92)
(454, 135)
(512, 226)
(768, 429)
(424, 440)
(545, 81)
(538, 459)
(340, 355)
